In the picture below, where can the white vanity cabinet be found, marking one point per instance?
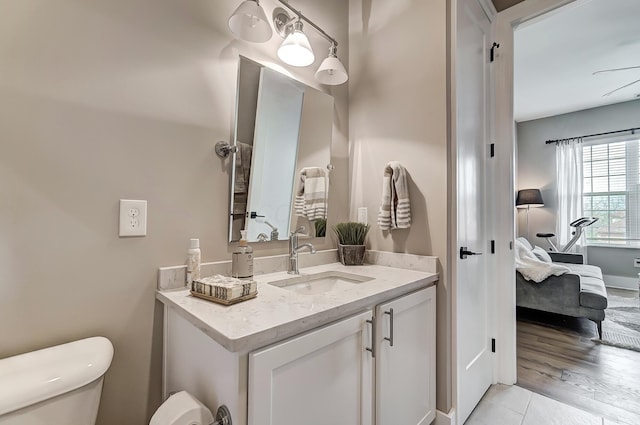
(327, 376)
(322, 377)
(285, 358)
(406, 371)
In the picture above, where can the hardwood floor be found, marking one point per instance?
(558, 358)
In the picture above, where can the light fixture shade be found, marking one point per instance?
(296, 50)
(332, 72)
(249, 22)
(529, 198)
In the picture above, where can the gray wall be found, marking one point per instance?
(614, 261)
(108, 99)
(398, 111)
(537, 169)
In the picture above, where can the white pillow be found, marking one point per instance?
(525, 243)
(542, 254)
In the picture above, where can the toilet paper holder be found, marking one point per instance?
(223, 416)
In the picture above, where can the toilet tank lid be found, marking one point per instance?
(32, 377)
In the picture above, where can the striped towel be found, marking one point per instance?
(395, 211)
(311, 197)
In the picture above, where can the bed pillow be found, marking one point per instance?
(525, 243)
(542, 254)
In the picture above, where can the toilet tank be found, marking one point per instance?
(55, 385)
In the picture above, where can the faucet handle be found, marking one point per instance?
(299, 231)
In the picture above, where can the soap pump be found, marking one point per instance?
(242, 259)
(193, 261)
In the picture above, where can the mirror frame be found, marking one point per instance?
(232, 163)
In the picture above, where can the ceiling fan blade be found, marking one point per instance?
(620, 88)
(615, 69)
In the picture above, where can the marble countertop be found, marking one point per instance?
(277, 313)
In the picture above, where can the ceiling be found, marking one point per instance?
(557, 54)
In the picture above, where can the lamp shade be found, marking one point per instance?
(296, 50)
(249, 22)
(332, 71)
(529, 198)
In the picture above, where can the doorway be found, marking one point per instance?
(557, 363)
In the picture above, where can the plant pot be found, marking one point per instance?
(351, 255)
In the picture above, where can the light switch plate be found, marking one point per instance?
(362, 215)
(133, 217)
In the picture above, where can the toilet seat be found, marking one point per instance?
(182, 409)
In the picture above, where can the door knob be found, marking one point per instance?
(464, 252)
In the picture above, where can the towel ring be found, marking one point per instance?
(223, 149)
(331, 167)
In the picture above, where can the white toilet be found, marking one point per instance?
(62, 385)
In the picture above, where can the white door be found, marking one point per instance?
(322, 377)
(406, 360)
(474, 362)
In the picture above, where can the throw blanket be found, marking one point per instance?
(395, 211)
(534, 269)
(311, 197)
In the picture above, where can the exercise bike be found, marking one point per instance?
(578, 224)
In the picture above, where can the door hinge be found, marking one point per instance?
(493, 247)
(492, 150)
(493, 345)
(492, 54)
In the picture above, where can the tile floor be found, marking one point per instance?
(512, 405)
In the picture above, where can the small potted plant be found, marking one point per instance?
(321, 227)
(351, 246)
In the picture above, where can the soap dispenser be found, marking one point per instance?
(242, 259)
(193, 261)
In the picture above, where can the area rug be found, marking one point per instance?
(621, 326)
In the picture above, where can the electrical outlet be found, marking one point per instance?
(362, 215)
(133, 217)
(636, 262)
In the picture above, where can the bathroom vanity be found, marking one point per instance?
(338, 345)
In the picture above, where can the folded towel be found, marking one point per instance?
(395, 210)
(311, 197)
(532, 268)
(223, 287)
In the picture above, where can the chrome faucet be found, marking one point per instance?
(294, 248)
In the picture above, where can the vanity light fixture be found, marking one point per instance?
(250, 23)
(296, 49)
(331, 71)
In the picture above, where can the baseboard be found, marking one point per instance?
(621, 282)
(445, 418)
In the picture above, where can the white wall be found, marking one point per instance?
(108, 99)
(537, 169)
(398, 111)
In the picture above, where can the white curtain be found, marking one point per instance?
(569, 178)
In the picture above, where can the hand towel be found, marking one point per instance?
(243, 168)
(311, 197)
(533, 268)
(242, 174)
(395, 209)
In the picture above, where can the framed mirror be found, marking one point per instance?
(280, 171)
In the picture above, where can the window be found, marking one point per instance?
(610, 191)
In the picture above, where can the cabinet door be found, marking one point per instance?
(405, 372)
(322, 377)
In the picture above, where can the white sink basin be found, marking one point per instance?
(320, 283)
